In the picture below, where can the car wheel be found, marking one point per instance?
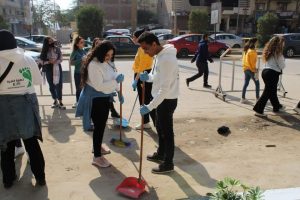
(236, 46)
(220, 52)
(183, 53)
(289, 52)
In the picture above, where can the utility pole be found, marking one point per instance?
(133, 15)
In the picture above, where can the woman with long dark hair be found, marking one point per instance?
(100, 82)
(51, 57)
(249, 67)
(77, 58)
(274, 64)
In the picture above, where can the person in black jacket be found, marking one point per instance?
(201, 56)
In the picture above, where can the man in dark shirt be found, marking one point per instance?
(201, 56)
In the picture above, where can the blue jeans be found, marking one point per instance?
(250, 75)
(77, 79)
(55, 90)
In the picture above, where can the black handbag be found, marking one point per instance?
(3, 76)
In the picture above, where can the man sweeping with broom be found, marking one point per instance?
(165, 91)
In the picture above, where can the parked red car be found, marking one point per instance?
(188, 43)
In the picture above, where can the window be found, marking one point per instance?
(189, 39)
(194, 2)
(282, 6)
(260, 6)
(295, 37)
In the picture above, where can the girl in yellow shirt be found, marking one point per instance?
(142, 62)
(249, 67)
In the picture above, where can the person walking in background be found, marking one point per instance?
(201, 56)
(142, 62)
(249, 67)
(77, 58)
(51, 58)
(274, 64)
(20, 118)
(100, 81)
(113, 111)
(165, 91)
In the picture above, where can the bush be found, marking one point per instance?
(267, 25)
(3, 24)
(227, 190)
(198, 21)
(90, 21)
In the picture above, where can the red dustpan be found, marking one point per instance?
(133, 187)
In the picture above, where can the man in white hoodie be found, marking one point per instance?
(165, 91)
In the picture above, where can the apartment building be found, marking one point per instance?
(17, 14)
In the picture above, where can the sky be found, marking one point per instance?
(64, 4)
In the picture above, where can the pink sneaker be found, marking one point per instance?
(101, 162)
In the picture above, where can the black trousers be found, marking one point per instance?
(202, 70)
(148, 98)
(37, 162)
(100, 110)
(164, 127)
(270, 78)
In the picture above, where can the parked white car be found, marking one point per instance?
(161, 31)
(230, 40)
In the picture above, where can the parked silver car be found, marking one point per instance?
(229, 39)
(28, 44)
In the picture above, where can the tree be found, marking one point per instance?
(90, 21)
(146, 17)
(267, 25)
(3, 24)
(198, 21)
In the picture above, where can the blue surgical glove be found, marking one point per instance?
(134, 84)
(144, 110)
(121, 98)
(120, 78)
(144, 76)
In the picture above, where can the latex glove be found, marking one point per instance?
(120, 78)
(144, 110)
(144, 76)
(121, 98)
(134, 84)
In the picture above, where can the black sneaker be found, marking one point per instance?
(41, 182)
(8, 185)
(163, 169)
(187, 82)
(206, 86)
(114, 114)
(55, 104)
(155, 158)
(61, 106)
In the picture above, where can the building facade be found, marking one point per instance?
(17, 14)
(237, 16)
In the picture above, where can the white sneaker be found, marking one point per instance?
(19, 151)
(297, 110)
(260, 114)
(101, 162)
(243, 100)
(146, 126)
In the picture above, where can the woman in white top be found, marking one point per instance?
(274, 64)
(100, 82)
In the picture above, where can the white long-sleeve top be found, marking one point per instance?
(275, 63)
(102, 77)
(165, 77)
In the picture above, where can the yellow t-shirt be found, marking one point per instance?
(249, 60)
(142, 61)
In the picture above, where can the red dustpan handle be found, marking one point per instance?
(142, 133)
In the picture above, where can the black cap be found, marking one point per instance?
(7, 40)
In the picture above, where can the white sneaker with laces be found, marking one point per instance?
(146, 126)
(19, 151)
(101, 162)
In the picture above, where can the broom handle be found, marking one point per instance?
(121, 112)
(142, 133)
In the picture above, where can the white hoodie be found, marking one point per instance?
(165, 76)
(23, 75)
